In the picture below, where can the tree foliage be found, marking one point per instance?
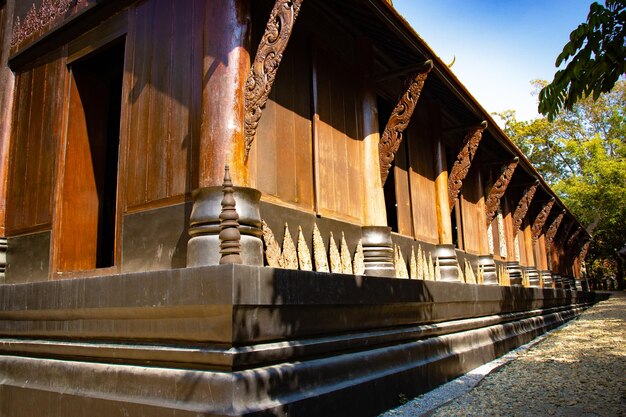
(597, 59)
(582, 155)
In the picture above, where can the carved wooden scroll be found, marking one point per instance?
(499, 188)
(523, 205)
(263, 71)
(583, 251)
(40, 18)
(464, 162)
(541, 220)
(554, 227)
(573, 237)
(399, 120)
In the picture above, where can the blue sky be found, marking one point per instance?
(500, 46)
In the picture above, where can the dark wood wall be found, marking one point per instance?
(164, 76)
(37, 120)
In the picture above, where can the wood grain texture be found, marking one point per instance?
(35, 129)
(339, 140)
(282, 158)
(163, 124)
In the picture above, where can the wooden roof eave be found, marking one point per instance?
(403, 30)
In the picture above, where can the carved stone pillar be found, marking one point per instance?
(203, 247)
(378, 251)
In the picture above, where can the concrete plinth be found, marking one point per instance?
(533, 277)
(236, 340)
(546, 277)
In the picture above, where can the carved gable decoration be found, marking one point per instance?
(541, 220)
(464, 162)
(399, 120)
(499, 188)
(523, 205)
(265, 66)
(554, 227)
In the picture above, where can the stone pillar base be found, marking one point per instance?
(378, 251)
(203, 248)
(515, 273)
(533, 277)
(546, 276)
(488, 265)
(448, 262)
(558, 282)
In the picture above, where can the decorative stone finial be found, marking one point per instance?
(230, 237)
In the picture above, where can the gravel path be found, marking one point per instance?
(579, 370)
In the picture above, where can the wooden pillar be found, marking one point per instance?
(533, 272)
(445, 251)
(226, 64)
(375, 213)
(444, 224)
(7, 84)
(485, 260)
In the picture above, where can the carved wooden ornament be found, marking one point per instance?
(346, 258)
(583, 251)
(290, 255)
(38, 19)
(573, 237)
(304, 254)
(499, 188)
(272, 248)
(335, 257)
(319, 251)
(359, 259)
(399, 120)
(265, 66)
(554, 227)
(523, 205)
(540, 220)
(464, 162)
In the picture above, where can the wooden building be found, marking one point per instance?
(336, 120)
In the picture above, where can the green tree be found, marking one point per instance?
(582, 155)
(597, 59)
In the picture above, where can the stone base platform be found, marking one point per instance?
(239, 340)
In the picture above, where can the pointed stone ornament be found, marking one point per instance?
(346, 259)
(413, 264)
(272, 248)
(359, 260)
(431, 268)
(437, 270)
(230, 237)
(461, 275)
(425, 266)
(319, 251)
(304, 254)
(335, 258)
(289, 256)
(420, 262)
(401, 271)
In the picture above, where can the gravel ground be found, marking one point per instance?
(578, 370)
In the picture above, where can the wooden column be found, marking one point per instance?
(445, 251)
(444, 224)
(375, 213)
(485, 260)
(226, 64)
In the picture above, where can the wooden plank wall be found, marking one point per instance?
(339, 139)
(39, 94)
(472, 212)
(415, 178)
(281, 162)
(164, 63)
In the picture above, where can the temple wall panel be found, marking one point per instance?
(37, 127)
(472, 213)
(340, 144)
(281, 162)
(422, 132)
(164, 72)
